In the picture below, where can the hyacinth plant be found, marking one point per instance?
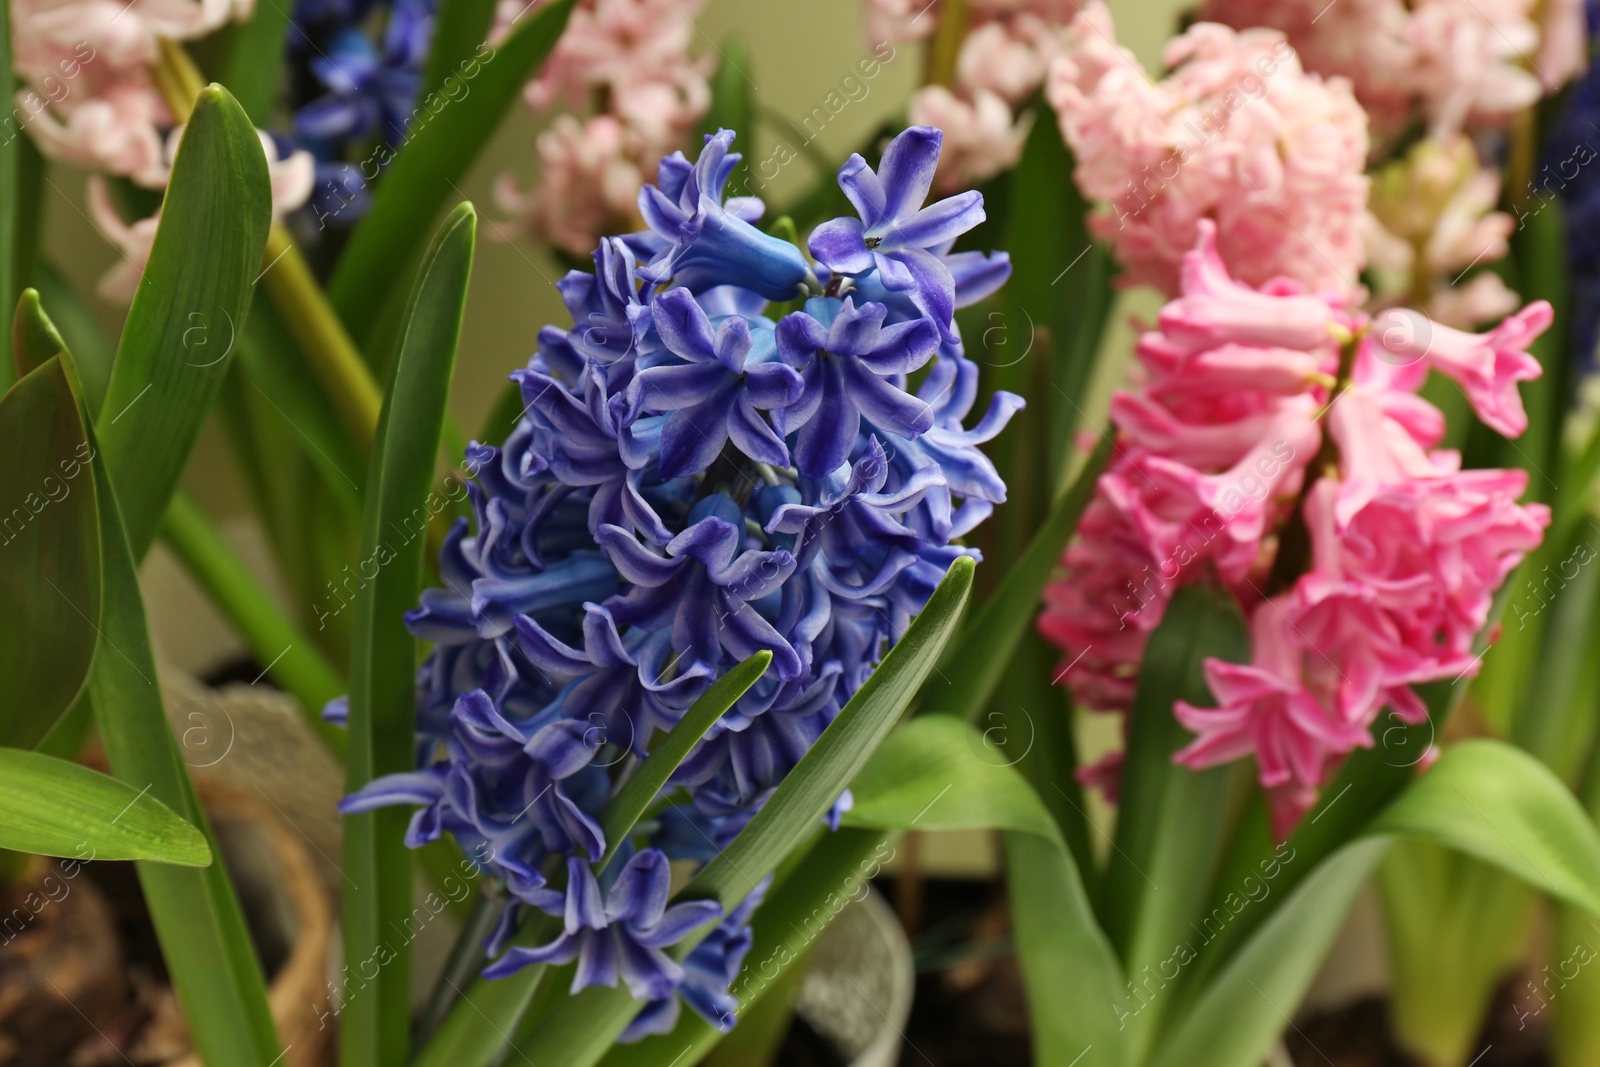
(672, 607)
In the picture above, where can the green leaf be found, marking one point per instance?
(583, 1030)
(188, 310)
(647, 782)
(1556, 717)
(33, 336)
(252, 58)
(1073, 979)
(1170, 819)
(806, 794)
(1246, 1004)
(49, 552)
(204, 941)
(1053, 300)
(375, 1024)
(1495, 802)
(976, 662)
(459, 27)
(426, 170)
(51, 807)
(294, 664)
(938, 773)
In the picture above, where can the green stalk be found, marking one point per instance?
(295, 665)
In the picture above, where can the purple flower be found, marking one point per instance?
(618, 934)
(705, 243)
(895, 234)
(850, 363)
(716, 393)
(703, 588)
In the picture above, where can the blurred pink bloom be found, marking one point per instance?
(980, 138)
(588, 184)
(1216, 446)
(1454, 62)
(87, 64)
(1236, 132)
(630, 60)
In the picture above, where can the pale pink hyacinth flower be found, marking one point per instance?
(981, 138)
(1236, 132)
(89, 61)
(1432, 219)
(1455, 63)
(588, 184)
(291, 180)
(1215, 446)
(632, 57)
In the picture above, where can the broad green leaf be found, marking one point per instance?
(1556, 717)
(1049, 303)
(459, 27)
(188, 311)
(252, 54)
(1170, 819)
(479, 1027)
(294, 664)
(635, 796)
(1074, 982)
(1495, 802)
(49, 553)
(1250, 999)
(583, 1030)
(442, 145)
(34, 338)
(52, 807)
(938, 773)
(1455, 928)
(204, 941)
(375, 1025)
(978, 659)
(806, 794)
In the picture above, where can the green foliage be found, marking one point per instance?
(51, 807)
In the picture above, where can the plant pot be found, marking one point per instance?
(88, 956)
(856, 993)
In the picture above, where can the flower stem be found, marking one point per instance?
(954, 17)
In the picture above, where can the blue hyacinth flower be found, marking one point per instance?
(850, 363)
(727, 376)
(705, 243)
(895, 235)
(615, 932)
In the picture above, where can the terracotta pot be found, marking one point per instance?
(290, 918)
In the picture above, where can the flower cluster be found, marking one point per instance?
(1448, 62)
(1431, 221)
(1277, 446)
(698, 476)
(92, 99)
(1237, 132)
(353, 94)
(628, 61)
